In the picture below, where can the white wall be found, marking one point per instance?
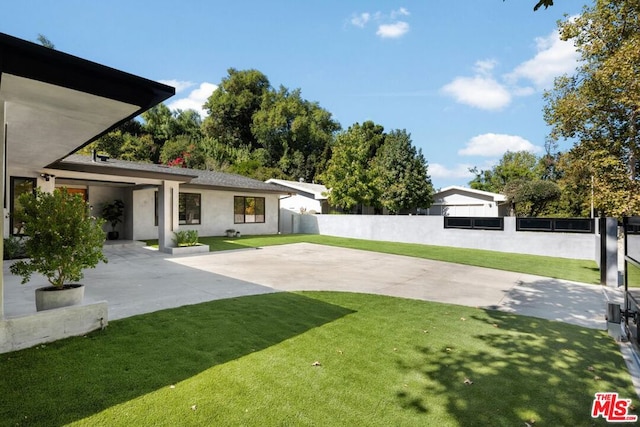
(216, 214)
(297, 202)
(430, 230)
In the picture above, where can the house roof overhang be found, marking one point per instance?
(53, 103)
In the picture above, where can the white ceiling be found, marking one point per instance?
(46, 122)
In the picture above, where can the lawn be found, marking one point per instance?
(560, 268)
(316, 358)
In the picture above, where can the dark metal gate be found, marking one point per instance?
(630, 312)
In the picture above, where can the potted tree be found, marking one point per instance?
(112, 212)
(62, 240)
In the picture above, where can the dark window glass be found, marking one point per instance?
(19, 186)
(189, 208)
(248, 209)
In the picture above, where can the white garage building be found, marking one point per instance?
(462, 201)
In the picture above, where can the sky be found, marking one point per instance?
(465, 78)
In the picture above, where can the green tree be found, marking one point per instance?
(183, 151)
(349, 173)
(187, 122)
(513, 165)
(137, 148)
(232, 105)
(402, 174)
(44, 41)
(531, 197)
(64, 238)
(599, 176)
(599, 106)
(294, 133)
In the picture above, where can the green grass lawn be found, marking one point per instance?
(560, 268)
(381, 361)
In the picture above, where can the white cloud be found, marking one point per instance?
(195, 100)
(492, 145)
(439, 171)
(180, 85)
(388, 25)
(480, 91)
(393, 31)
(400, 12)
(554, 58)
(485, 67)
(361, 20)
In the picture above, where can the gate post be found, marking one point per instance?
(609, 252)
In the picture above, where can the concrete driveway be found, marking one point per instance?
(138, 280)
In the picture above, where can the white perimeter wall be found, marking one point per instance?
(429, 230)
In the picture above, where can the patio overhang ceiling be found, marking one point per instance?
(54, 103)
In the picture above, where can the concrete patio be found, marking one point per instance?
(139, 280)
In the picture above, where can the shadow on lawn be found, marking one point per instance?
(539, 371)
(71, 379)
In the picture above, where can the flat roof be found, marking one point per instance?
(55, 103)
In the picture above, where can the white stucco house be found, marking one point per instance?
(51, 105)
(306, 198)
(463, 201)
(207, 201)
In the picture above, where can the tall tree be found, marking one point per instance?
(600, 105)
(349, 173)
(401, 174)
(232, 105)
(531, 198)
(294, 133)
(513, 165)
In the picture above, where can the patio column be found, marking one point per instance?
(167, 213)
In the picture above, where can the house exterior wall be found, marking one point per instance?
(481, 210)
(99, 195)
(429, 230)
(465, 204)
(301, 201)
(216, 214)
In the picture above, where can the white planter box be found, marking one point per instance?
(188, 250)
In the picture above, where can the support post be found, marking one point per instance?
(609, 252)
(167, 214)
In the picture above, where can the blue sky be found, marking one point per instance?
(464, 77)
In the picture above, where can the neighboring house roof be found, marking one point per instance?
(318, 191)
(53, 103)
(189, 177)
(470, 191)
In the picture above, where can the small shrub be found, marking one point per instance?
(186, 238)
(14, 248)
(64, 238)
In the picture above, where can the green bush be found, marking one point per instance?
(14, 247)
(186, 238)
(64, 238)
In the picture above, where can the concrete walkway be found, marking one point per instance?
(138, 280)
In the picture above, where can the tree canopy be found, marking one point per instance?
(599, 106)
(255, 130)
(373, 168)
(514, 165)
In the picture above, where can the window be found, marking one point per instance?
(81, 191)
(19, 186)
(248, 209)
(189, 208)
